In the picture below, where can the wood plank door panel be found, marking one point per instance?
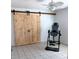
(35, 28)
(28, 29)
(19, 28)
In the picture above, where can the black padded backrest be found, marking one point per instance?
(55, 27)
(54, 31)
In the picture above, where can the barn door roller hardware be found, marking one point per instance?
(28, 12)
(13, 12)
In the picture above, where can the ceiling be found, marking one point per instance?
(36, 4)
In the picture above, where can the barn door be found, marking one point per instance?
(19, 28)
(26, 28)
(35, 27)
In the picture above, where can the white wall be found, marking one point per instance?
(12, 32)
(45, 24)
(62, 19)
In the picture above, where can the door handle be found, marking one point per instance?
(28, 30)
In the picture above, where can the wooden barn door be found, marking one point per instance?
(19, 19)
(27, 28)
(35, 27)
